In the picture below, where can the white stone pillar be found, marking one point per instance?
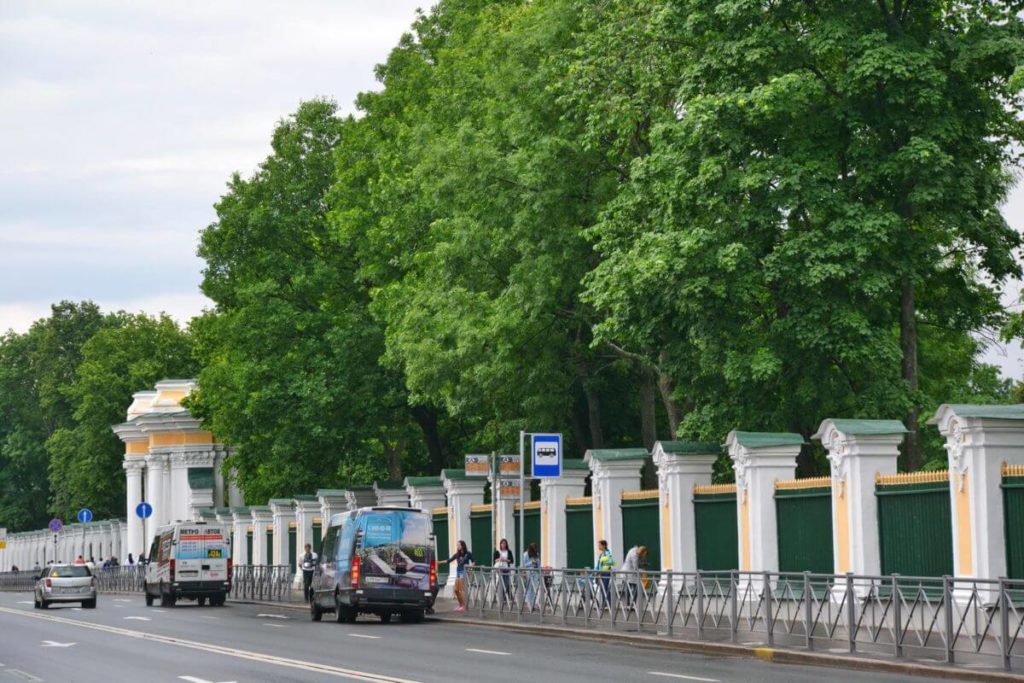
(360, 497)
(106, 541)
(391, 494)
(759, 460)
(283, 510)
(154, 495)
(463, 492)
(979, 440)
(858, 451)
(235, 498)
(180, 492)
(219, 491)
(612, 472)
(133, 470)
(332, 502)
(681, 466)
(262, 517)
(425, 493)
(553, 493)
(503, 521)
(241, 518)
(307, 508)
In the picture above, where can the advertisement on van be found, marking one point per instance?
(396, 550)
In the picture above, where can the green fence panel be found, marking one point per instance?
(915, 533)
(292, 548)
(641, 526)
(443, 553)
(480, 537)
(579, 531)
(270, 546)
(804, 518)
(248, 545)
(1013, 516)
(318, 537)
(532, 532)
(717, 538)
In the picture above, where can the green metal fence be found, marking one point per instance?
(270, 546)
(248, 545)
(641, 526)
(804, 518)
(318, 537)
(292, 545)
(532, 516)
(440, 520)
(915, 533)
(717, 538)
(480, 536)
(1013, 517)
(579, 531)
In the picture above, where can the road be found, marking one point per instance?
(123, 640)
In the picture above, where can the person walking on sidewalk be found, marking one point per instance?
(631, 566)
(604, 563)
(531, 567)
(461, 558)
(504, 561)
(309, 560)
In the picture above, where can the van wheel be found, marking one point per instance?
(315, 613)
(413, 616)
(344, 615)
(385, 617)
(202, 602)
(166, 600)
(219, 600)
(89, 604)
(149, 600)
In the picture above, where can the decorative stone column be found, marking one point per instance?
(391, 494)
(858, 451)
(979, 441)
(306, 509)
(463, 492)
(503, 520)
(360, 497)
(154, 495)
(115, 539)
(133, 472)
(612, 472)
(241, 518)
(759, 459)
(425, 493)
(180, 493)
(553, 493)
(332, 502)
(262, 517)
(681, 466)
(283, 510)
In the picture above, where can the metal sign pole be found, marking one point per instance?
(522, 498)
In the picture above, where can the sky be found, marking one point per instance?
(121, 121)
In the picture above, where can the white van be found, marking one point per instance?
(190, 560)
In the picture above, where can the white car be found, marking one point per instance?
(65, 583)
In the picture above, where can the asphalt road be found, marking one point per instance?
(123, 640)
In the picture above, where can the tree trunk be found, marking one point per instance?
(426, 418)
(393, 459)
(594, 416)
(648, 408)
(672, 410)
(913, 457)
(581, 434)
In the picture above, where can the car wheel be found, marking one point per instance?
(89, 604)
(202, 602)
(413, 616)
(315, 613)
(35, 601)
(385, 617)
(43, 604)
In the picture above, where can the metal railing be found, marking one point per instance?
(951, 619)
(248, 582)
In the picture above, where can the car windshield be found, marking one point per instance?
(69, 572)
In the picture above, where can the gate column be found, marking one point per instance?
(612, 472)
(554, 491)
(463, 493)
(681, 466)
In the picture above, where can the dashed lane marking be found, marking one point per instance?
(137, 619)
(54, 643)
(276, 625)
(193, 679)
(314, 667)
(684, 677)
(488, 652)
(363, 635)
(273, 616)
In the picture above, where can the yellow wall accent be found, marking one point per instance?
(583, 500)
(452, 541)
(136, 447)
(1013, 470)
(481, 507)
(912, 478)
(800, 484)
(439, 510)
(714, 488)
(170, 396)
(745, 534)
(666, 536)
(640, 495)
(180, 439)
(963, 528)
(842, 530)
(599, 519)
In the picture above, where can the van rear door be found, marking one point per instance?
(203, 553)
(395, 550)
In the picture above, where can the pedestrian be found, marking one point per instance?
(631, 567)
(131, 560)
(504, 561)
(462, 558)
(14, 568)
(79, 560)
(36, 567)
(603, 565)
(531, 567)
(309, 560)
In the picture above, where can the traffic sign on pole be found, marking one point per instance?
(478, 465)
(56, 525)
(546, 455)
(85, 515)
(143, 510)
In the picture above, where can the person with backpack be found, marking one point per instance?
(604, 563)
(308, 562)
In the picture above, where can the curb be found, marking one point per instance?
(766, 654)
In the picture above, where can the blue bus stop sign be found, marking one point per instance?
(56, 525)
(546, 455)
(85, 515)
(143, 510)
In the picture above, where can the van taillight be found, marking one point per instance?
(172, 571)
(355, 572)
(433, 574)
(49, 583)
(229, 568)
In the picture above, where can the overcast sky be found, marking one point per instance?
(121, 121)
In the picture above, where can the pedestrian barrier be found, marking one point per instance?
(261, 582)
(18, 581)
(122, 579)
(948, 618)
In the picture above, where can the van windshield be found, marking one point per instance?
(395, 549)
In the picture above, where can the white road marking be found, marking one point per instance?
(315, 667)
(488, 652)
(76, 609)
(123, 600)
(193, 679)
(273, 616)
(276, 625)
(208, 617)
(363, 635)
(53, 643)
(137, 618)
(119, 607)
(684, 677)
(25, 602)
(23, 675)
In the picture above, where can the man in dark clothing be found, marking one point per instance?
(309, 560)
